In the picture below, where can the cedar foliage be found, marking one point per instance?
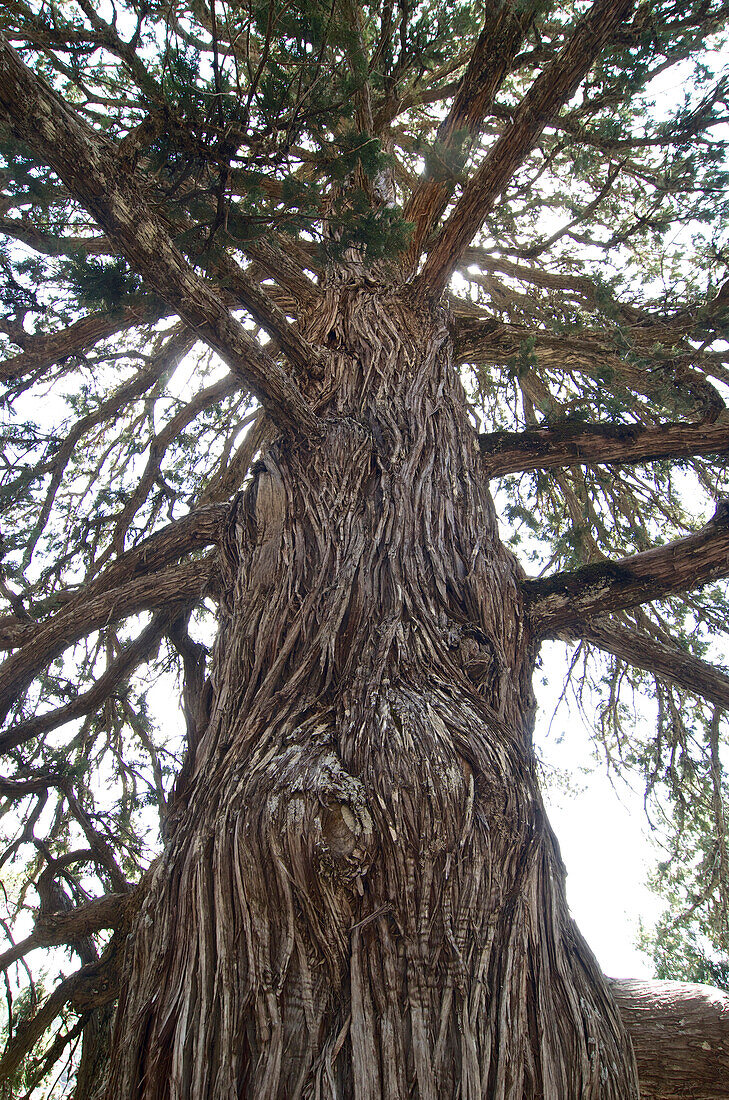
(589, 310)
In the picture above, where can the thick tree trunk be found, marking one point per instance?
(680, 1034)
(360, 896)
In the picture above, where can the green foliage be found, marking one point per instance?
(101, 283)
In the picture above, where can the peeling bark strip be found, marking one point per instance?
(580, 444)
(680, 1035)
(98, 179)
(549, 92)
(566, 599)
(360, 895)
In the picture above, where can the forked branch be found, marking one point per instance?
(550, 91)
(97, 178)
(505, 26)
(567, 599)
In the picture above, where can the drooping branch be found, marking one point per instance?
(505, 26)
(680, 1034)
(119, 670)
(100, 181)
(44, 349)
(95, 984)
(549, 92)
(666, 660)
(172, 588)
(52, 929)
(575, 443)
(570, 598)
(664, 346)
(184, 536)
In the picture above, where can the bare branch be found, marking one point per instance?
(93, 985)
(566, 599)
(118, 671)
(44, 349)
(52, 929)
(575, 443)
(98, 179)
(172, 588)
(550, 91)
(184, 536)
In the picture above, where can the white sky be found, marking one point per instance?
(603, 834)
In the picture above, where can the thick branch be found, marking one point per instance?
(95, 984)
(497, 45)
(98, 179)
(52, 929)
(172, 588)
(550, 91)
(568, 599)
(574, 443)
(670, 662)
(680, 1035)
(44, 349)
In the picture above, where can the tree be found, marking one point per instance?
(266, 267)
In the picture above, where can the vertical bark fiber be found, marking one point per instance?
(360, 896)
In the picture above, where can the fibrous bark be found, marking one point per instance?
(360, 895)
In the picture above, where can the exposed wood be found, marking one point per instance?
(565, 599)
(98, 179)
(554, 86)
(575, 443)
(680, 1034)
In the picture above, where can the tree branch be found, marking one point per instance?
(184, 536)
(93, 985)
(44, 349)
(575, 443)
(172, 588)
(504, 29)
(549, 92)
(52, 929)
(99, 180)
(117, 672)
(668, 661)
(567, 599)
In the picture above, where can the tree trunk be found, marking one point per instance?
(360, 895)
(680, 1034)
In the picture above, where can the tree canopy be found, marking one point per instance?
(176, 182)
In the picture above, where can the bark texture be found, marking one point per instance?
(360, 895)
(680, 1033)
